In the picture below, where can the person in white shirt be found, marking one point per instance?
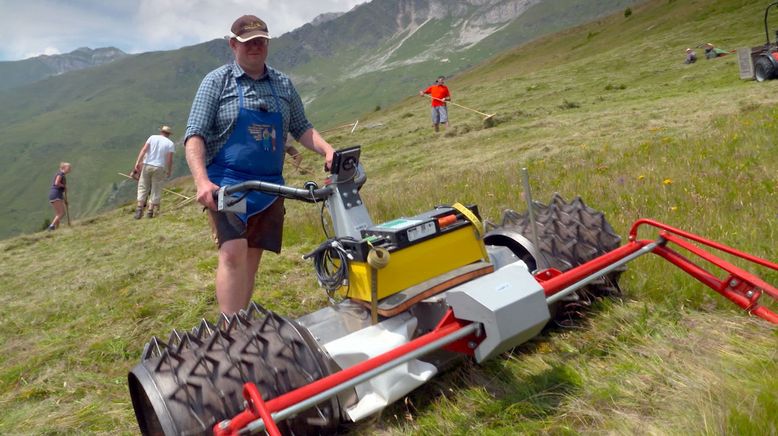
(154, 164)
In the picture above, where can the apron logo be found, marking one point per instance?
(264, 134)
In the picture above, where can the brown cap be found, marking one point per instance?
(247, 28)
(165, 129)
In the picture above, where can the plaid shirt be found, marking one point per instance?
(215, 107)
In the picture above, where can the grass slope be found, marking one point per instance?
(97, 118)
(615, 118)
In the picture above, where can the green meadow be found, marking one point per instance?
(606, 111)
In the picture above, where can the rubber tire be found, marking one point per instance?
(195, 380)
(569, 234)
(764, 69)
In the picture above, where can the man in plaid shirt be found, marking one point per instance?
(236, 131)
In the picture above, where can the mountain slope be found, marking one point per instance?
(18, 73)
(689, 145)
(97, 118)
(344, 71)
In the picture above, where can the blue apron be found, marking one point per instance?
(254, 151)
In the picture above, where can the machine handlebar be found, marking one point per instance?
(310, 193)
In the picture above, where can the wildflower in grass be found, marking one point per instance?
(667, 182)
(545, 348)
(641, 177)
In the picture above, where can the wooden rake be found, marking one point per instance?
(485, 115)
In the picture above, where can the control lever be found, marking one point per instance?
(229, 203)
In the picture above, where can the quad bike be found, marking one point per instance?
(765, 58)
(410, 297)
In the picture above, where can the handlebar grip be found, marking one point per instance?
(308, 195)
(310, 192)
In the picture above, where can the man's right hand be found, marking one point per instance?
(195, 157)
(205, 190)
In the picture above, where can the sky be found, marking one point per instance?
(30, 28)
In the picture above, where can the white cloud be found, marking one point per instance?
(182, 22)
(31, 27)
(35, 26)
(48, 51)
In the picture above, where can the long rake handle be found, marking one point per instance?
(463, 107)
(67, 208)
(164, 189)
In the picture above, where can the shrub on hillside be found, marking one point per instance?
(569, 104)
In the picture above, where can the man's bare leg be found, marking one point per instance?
(232, 290)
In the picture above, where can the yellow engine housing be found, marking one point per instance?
(416, 263)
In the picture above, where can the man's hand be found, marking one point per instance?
(312, 140)
(205, 190)
(328, 159)
(195, 157)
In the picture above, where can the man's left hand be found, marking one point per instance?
(328, 160)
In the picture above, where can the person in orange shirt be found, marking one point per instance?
(440, 95)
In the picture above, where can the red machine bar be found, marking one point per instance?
(256, 409)
(740, 286)
(721, 263)
(554, 281)
(307, 391)
(691, 236)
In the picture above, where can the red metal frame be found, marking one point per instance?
(739, 286)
